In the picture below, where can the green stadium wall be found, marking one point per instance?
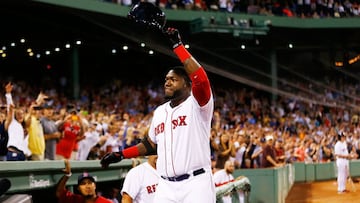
(268, 185)
(203, 17)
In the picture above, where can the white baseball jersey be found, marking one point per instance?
(340, 148)
(140, 183)
(182, 136)
(221, 177)
(342, 164)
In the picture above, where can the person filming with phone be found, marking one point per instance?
(72, 128)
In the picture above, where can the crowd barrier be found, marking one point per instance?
(308, 172)
(267, 185)
(34, 175)
(272, 185)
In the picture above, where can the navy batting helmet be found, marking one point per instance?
(148, 14)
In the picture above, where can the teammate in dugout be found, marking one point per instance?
(140, 183)
(86, 189)
(179, 133)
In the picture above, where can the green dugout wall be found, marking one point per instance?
(270, 185)
(34, 175)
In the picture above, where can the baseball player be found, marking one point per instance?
(86, 189)
(179, 133)
(342, 162)
(140, 183)
(224, 176)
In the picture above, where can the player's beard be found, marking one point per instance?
(175, 94)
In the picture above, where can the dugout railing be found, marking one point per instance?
(270, 185)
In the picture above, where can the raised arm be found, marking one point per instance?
(200, 83)
(61, 184)
(9, 104)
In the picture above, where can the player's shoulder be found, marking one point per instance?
(139, 167)
(103, 200)
(220, 171)
(161, 107)
(134, 171)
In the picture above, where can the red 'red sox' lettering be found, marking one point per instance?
(151, 188)
(159, 129)
(179, 122)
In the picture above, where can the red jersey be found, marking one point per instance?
(66, 145)
(69, 197)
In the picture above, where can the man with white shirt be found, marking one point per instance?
(240, 146)
(92, 140)
(342, 162)
(18, 140)
(224, 176)
(179, 133)
(140, 183)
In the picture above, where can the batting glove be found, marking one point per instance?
(110, 158)
(174, 36)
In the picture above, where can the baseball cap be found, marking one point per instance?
(85, 175)
(47, 106)
(38, 107)
(71, 108)
(269, 137)
(262, 140)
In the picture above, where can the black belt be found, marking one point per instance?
(14, 149)
(184, 176)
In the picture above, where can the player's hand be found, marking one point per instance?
(9, 87)
(110, 158)
(174, 36)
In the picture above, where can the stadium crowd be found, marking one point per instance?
(289, 8)
(246, 122)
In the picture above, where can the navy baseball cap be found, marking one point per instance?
(262, 140)
(85, 175)
(47, 106)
